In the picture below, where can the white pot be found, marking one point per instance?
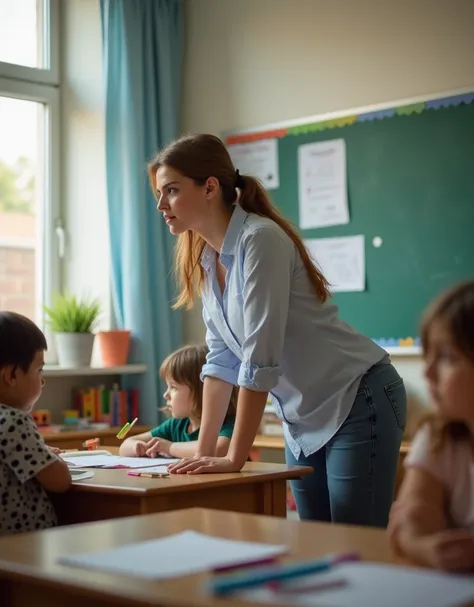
(74, 349)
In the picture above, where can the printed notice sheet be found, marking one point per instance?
(322, 184)
(342, 261)
(259, 159)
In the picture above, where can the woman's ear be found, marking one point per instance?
(212, 187)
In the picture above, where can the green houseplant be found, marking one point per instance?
(72, 321)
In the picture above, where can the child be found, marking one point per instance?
(177, 436)
(28, 468)
(432, 521)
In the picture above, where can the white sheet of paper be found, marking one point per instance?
(373, 585)
(80, 475)
(113, 461)
(259, 159)
(183, 553)
(143, 462)
(322, 184)
(92, 453)
(342, 261)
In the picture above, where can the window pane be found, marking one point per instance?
(21, 161)
(21, 39)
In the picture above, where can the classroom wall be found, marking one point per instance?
(251, 62)
(86, 268)
(255, 62)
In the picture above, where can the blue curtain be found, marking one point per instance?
(143, 49)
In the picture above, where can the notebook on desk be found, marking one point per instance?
(186, 553)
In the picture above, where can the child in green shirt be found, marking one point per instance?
(177, 436)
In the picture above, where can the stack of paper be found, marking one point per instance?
(79, 459)
(186, 553)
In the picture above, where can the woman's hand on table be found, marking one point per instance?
(203, 465)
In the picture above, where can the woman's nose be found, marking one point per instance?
(162, 205)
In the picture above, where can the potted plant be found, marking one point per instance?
(72, 322)
(114, 347)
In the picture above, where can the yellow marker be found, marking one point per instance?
(120, 432)
(126, 429)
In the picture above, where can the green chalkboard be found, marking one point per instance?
(410, 181)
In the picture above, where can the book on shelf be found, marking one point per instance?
(103, 405)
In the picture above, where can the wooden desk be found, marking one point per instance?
(30, 575)
(259, 489)
(73, 439)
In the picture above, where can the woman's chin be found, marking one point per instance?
(176, 230)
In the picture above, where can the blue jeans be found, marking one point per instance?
(354, 473)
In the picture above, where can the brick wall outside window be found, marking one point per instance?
(17, 263)
(17, 280)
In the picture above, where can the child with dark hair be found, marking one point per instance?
(432, 521)
(177, 436)
(28, 468)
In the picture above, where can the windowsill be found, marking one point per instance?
(57, 371)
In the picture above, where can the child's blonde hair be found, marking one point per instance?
(184, 367)
(453, 310)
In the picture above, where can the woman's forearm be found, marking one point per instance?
(216, 398)
(187, 449)
(250, 408)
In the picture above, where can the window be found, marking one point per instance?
(29, 157)
(21, 21)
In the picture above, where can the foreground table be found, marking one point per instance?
(259, 489)
(30, 575)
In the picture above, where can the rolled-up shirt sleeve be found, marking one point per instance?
(267, 268)
(220, 361)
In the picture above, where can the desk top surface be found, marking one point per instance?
(35, 555)
(266, 441)
(118, 481)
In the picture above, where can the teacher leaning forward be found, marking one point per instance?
(272, 330)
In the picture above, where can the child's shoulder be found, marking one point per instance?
(442, 457)
(12, 420)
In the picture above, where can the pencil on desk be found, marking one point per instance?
(149, 474)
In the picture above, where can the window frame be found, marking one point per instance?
(50, 43)
(42, 86)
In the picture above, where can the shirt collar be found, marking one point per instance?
(237, 220)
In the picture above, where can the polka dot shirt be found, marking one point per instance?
(25, 505)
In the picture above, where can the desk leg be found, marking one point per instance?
(274, 498)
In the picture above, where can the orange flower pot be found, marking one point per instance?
(114, 347)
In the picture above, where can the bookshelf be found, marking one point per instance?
(57, 396)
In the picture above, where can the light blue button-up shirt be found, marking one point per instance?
(269, 332)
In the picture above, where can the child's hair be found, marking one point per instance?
(20, 340)
(184, 367)
(199, 157)
(453, 311)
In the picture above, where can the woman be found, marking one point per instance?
(271, 329)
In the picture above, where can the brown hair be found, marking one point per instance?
(184, 367)
(199, 157)
(20, 340)
(453, 310)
